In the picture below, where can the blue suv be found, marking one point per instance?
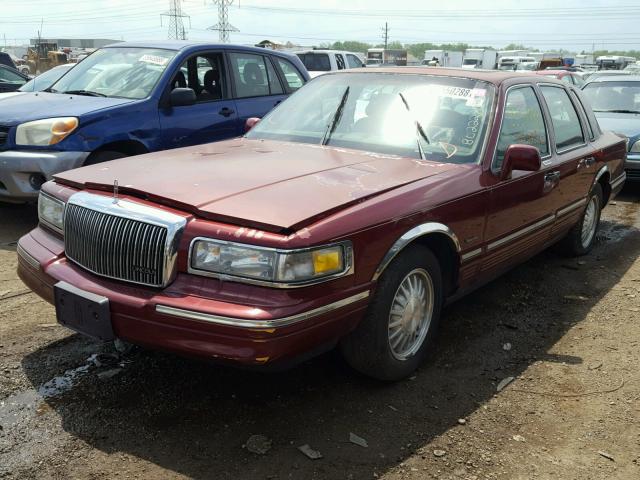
(133, 98)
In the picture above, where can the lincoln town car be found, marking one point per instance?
(348, 216)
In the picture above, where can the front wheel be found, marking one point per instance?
(402, 318)
(580, 239)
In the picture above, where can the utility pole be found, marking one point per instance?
(176, 26)
(385, 34)
(223, 26)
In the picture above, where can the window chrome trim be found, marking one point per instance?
(584, 136)
(349, 268)
(260, 324)
(523, 231)
(109, 205)
(27, 257)
(411, 235)
(545, 158)
(49, 225)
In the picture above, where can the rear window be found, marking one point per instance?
(315, 62)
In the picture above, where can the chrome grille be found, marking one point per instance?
(122, 239)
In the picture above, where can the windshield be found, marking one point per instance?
(438, 118)
(470, 61)
(607, 96)
(44, 80)
(116, 72)
(315, 62)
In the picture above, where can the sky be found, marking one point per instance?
(573, 25)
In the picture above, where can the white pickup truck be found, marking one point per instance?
(318, 62)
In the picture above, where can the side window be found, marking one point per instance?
(340, 61)
(576, 101)
(566, 123)
(291, 74)
(522, 123)
(274, 84)
(249, 75)
(567, 79)
(204, 74)
(353, 61)
(577, 79)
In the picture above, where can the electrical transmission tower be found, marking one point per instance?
(223, 26)
(176, 26)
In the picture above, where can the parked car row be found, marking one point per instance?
(348, 215)
(134, 98)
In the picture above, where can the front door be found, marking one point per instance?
(522, 206)
(214, 116)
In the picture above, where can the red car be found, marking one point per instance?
(572, 78)
(349, 215)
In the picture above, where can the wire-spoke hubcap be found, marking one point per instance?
(590, 222)
(411, 312)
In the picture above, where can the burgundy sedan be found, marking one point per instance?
(348, 216)
(572, 78)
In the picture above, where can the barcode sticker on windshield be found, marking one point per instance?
(154, 59)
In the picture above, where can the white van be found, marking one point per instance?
(318, 62)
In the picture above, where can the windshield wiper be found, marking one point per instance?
(418, 128)
(336, 118)
(88, 93)
(618, 111)
(50, 90)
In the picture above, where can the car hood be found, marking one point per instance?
(36, 105)
(628, 124)
(4, 96)
(275, 186)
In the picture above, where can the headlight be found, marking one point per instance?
(49, 131)
(635, 148)
(51, 212)
(219, 258)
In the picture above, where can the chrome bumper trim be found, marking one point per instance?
(22, 253)
(260, 324)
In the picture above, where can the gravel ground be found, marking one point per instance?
(566, 330)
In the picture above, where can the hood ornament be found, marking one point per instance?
(115, 191)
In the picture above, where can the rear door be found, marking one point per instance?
(213, 117)
(574, 159)
(522, 207)
(257, 87)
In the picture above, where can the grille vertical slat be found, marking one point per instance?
(114, 246)
(4, 135)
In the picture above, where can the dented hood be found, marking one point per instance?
(266, 184)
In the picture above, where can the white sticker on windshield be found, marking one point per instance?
(154, 59)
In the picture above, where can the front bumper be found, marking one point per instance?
(22, 171)
(264, 328)
(632, 167)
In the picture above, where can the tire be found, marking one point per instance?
(581, 238)
(368, 349)
(103, 156)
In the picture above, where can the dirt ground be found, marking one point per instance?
(567, 330)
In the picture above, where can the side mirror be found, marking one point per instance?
(182, 97)
(250, 123)
(520, 157)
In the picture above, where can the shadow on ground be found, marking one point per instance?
(193, 418)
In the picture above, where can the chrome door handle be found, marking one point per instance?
(590, 161)
(551, 179)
